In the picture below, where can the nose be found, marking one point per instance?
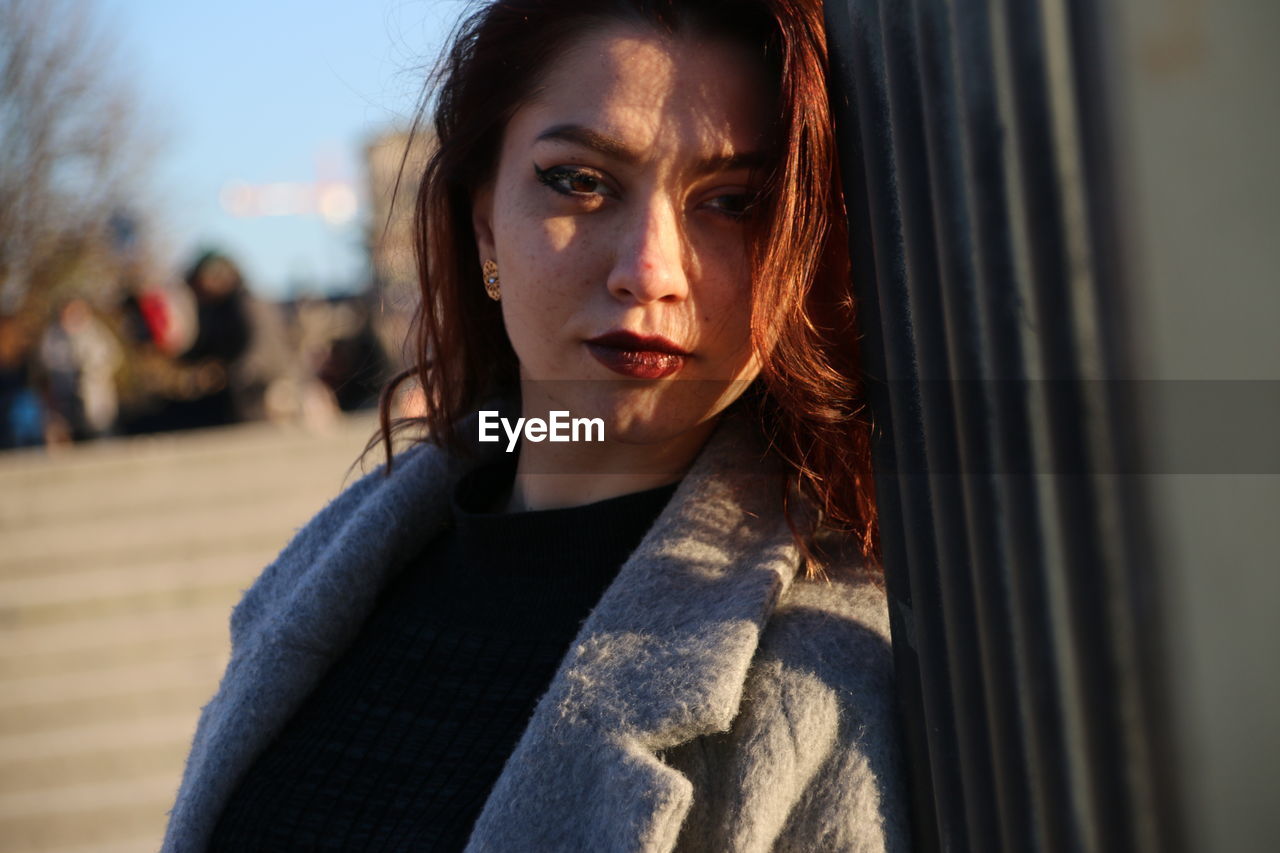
(650, 259)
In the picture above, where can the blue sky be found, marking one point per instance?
(265, 92)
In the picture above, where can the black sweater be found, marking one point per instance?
(399, 744)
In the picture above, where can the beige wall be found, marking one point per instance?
(1199, 125)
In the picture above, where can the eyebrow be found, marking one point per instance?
(615, 148)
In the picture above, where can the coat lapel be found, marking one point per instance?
(298, 617)
(661, 660)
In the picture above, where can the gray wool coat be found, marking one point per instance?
(712, 701)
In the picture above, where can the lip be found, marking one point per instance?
(637, 356)
(624, 340)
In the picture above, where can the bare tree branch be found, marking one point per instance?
(70, 154)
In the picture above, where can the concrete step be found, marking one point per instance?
(67, 647)
(67, 742)
(119, 564)
(195, 670)
(155, 626)
(135, 816)
(150, 700)
(104, 763)
(87, 610)
(129, 845)
(93, 584)
(211, 527)
(200, 465)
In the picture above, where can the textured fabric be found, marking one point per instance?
(712, 701)
(398, 746)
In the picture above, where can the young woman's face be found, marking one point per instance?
(616, 219)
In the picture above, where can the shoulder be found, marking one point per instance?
(811, 761)
(835, 628)
(824, 677)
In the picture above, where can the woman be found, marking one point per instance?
(632, 217)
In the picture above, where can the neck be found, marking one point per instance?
(552, 476)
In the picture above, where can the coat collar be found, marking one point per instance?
(661, 659)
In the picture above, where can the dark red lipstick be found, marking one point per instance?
(637, 356)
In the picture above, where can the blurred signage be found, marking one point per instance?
(333, 201)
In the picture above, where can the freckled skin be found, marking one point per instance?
(649, 246)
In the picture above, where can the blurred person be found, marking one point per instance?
(354, 366)
(156, 322)
(241, 341)
(673, 637)
(21, 410)
(161, 318)
(79, 358)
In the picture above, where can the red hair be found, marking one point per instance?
(809, 393)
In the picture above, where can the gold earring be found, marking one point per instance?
(491, 284)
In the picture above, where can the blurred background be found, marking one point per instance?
(203, 284)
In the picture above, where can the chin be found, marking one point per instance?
(637, 412)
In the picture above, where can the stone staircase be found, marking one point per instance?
(119, 563)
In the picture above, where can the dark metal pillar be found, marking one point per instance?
(973, 145)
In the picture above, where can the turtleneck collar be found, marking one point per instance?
(577, 544)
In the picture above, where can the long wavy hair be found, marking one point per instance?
(808, 394)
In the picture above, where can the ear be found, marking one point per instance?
(482, 220)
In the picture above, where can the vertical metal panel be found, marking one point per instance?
(971, 166)
(970, 679)
(906, 651)
(1001, 459)
(967, 374)
(867, 161)
(1151, 771)
(1066, 347)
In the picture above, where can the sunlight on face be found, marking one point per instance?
(617, 219)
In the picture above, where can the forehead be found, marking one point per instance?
(655, 92)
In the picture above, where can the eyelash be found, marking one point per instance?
(556, 178)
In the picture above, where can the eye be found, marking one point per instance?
(574, 181)
(735, 206)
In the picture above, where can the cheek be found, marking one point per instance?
(560, 234)
(529, 236)
(539, 274)
(727, 301)
(722, 253)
